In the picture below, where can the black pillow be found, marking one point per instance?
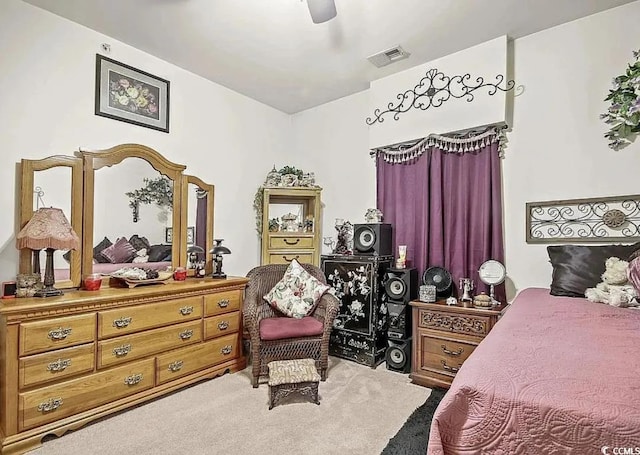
(159, 253)
(67, 256)
(139, 242)
(578, 267)
(98, 249)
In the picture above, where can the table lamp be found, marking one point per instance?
(48, 229)
(218, 250)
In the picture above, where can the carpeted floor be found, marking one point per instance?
(414, 434)
(361, 410)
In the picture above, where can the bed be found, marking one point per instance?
(108, 268)
(556, 375)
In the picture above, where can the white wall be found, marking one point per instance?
(47, 108)
(332, 141)
(556, 149)
(486, 60)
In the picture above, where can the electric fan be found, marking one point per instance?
(440, 278)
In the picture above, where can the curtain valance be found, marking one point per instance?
(469, 142)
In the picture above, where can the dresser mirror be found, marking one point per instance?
(132, 215)
(55, 181)
(126, 194)
(197, 238)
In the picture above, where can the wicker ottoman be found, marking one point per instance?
(288, 376)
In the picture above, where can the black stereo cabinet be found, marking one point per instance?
(360, 328)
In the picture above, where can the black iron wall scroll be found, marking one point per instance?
(436, 88)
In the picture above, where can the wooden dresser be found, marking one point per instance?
(444, 337)
(71, 359)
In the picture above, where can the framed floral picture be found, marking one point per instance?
(130, 95)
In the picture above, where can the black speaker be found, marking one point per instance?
(373, 238)
(400, 285)
(399, 321)
(398, 355)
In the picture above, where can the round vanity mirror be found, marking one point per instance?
(492, 272)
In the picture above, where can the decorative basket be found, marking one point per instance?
(427, 293)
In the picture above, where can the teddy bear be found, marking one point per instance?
(615, 289)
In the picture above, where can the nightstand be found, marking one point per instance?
(444, 337)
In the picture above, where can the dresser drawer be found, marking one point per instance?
(286, 258)
(290, 242)
(222, 302)
(134, 319)
(441, 355)
(71, 397)
(182, 362)
(454, 322)
(135, 346)
(41, 336)
(221, 325)
(56, 365)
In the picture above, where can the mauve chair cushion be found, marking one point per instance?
(281, 328)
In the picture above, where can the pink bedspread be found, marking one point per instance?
(556, 375)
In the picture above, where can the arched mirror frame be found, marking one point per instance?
(28, 168)
(94, 160)
(210, 189)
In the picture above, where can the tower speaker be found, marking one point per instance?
(399, 321)
(401, 285)
(373, 238)
(398, 355)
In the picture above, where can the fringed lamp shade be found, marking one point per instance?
(48, 229)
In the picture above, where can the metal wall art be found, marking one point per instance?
(608, 219)
(436, 88)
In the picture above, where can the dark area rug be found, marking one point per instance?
(413, 437)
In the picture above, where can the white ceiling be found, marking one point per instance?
(271, 51)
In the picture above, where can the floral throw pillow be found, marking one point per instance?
(297, 293)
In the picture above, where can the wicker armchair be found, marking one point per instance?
(261, 280)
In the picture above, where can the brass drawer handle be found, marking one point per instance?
(224, 325)
(186, 334)
(50, 405)
(122, 322)
(175, 366)
(448, 368)
(223, 303)
(185, 310)
(227, 349)
(59, 365)
(452, 353)
(59, 333)
(133, 379)
(289, 260)
(291, 243)
(121, 351)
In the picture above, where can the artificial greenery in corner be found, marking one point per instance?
(158, 190)
(288, 176)
(624, 113)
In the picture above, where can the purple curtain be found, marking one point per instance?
(201, 222)
(447, 209)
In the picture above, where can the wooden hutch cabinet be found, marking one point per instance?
(296, 238)
(444, 337)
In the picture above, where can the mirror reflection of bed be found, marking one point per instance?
(119, 241)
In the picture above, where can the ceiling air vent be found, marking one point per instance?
(389, 56)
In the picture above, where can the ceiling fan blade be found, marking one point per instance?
(322, 10)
